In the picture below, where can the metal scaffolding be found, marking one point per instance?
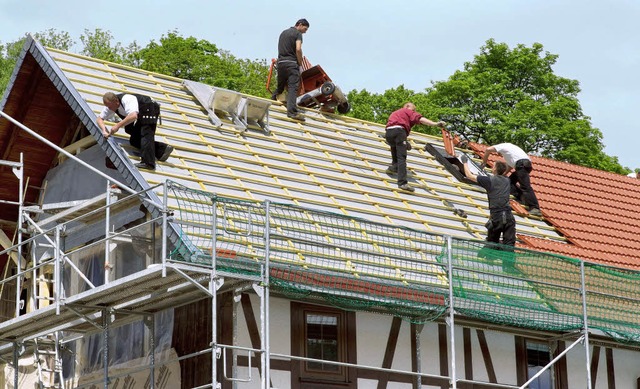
(170, 283)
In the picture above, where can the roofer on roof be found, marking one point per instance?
(290, 66)
(139, 116)
(517, 159)
(396, 133)
(501, 220)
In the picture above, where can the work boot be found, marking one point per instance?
(166, 154)
(407, 187)
(535, 212)
(391, 170)
(296, 116)
(145, 166)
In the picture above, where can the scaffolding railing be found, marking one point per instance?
(357, 264)
(347, 262)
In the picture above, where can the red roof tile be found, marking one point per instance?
(597, 211)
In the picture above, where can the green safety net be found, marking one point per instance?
(356, 264)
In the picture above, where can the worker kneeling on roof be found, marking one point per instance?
(139, 116)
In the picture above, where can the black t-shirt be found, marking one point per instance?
(287, 44)
(498, 190)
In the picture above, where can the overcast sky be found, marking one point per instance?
(377, 45)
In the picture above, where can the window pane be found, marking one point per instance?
(538, 356)
(322, 341)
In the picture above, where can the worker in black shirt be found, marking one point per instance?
(498, 187)
(290, 66)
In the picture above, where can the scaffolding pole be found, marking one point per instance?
(266, 356)
(450, 321)
(214, 299)
(585, 320)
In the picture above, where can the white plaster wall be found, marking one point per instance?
(371, 342)
(627, 367)
(502, 350)
(626, 364)
(279, 337)
(371, 339)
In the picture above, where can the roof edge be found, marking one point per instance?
(79, 106)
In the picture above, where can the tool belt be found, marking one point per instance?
(498, 220)
(149, 113)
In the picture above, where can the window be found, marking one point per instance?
(322, 338)
(533, 355)
(321, 333)
(538, 356)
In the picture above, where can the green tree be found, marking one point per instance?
(512, 95)
(97, 44)
(254, 76)
(60, 40)
(131, 55)
(9, 52)
(377, 107)
(202, 61)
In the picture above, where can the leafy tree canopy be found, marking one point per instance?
(174, 55)
(200, 60)
(505, 95)
(10, 51)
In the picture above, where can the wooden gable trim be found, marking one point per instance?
(23, 104)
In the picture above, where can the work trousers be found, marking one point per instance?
(521, 183)
(501, 223)
(142, 137)
(289, 76)
(397, 139)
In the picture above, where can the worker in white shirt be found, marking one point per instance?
(517, 159)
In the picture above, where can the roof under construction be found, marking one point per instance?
(340, 223)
